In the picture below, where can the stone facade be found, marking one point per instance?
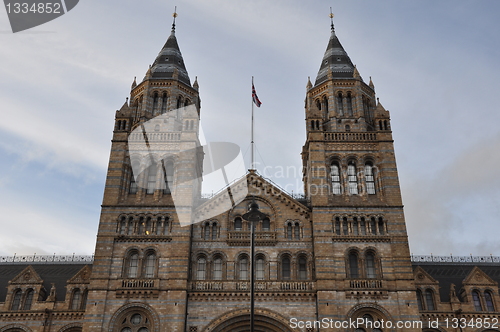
(339, 253)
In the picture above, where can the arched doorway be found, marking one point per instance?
(241, 323)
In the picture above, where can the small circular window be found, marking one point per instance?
(136, 319)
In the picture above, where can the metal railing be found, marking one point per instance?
(454, 259)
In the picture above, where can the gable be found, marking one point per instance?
(477, 277)
(82, 276)
(28, 276)
(423, 278)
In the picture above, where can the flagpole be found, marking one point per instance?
(252, 164)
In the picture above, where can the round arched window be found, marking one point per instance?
(134, 322)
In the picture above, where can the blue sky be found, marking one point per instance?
(434, 64)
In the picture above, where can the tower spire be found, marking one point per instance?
(174, 15)
(331, 19)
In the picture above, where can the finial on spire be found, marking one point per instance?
(331, 19)
(174, 15)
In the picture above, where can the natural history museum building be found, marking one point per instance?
(338, 254)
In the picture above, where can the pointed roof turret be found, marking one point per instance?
(169, 59)
(335, 61)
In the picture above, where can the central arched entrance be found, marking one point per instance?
(239, 321)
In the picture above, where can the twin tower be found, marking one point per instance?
(340, 253)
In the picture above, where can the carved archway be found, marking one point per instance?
(239, 321)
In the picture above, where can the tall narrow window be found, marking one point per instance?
(477, 301)
(16, 301)
(297, 231)
(214, 231)
(75, 301)
(349, 104)
(84, 299)
(335, 178)
(285, 268)
(337, 225)
(217, 269)
(355, 226)
(369, 179)
(155, 103)
(325, 103)
(238, 225)
(373, 226)
(28, 300)
(488, 299)
(381, 226)
(164, 103)
(340, 104)
(133, 265)
(363, 226)
(201, 269)
(148, 226)
(352, 178)
(141, 226)
(243, 268)
(130, 230)
(150, 265)
(289, 233)
(123, 225)
(353, 265)
(302, 268)
(133, 185)
(266, 224)
(345, 227)
(151, 185)
(166, 226)
(419, 300)
(429, 299)
(370, 265)
(206, 235)
(169, 177)
(259, 268)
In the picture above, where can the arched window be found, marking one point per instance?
(373, 226)
(133, 265)
(134, 321)
(381, 226)
(429, 299)
(419, 300)
(369, 179)
(340, 104)
(353, 265)
(201, 270)
(217, 268)
(297, 231)
(150, 264)
(285, 268)
(363, 226)
(238, 225)
(166, 226)
(179, 102)
(164, 103)
(148, 226)
(266, 224)
(488, 299)
(345, 226)
(243, 268)
(302, 268)
(28, 300)
(355, 226)
(325, 103)
(477, 301)
(337, 225)
(130, 230)
(75, 300)
(352, 178)
(289, 233)
(259, 268)
(151, 184)
(123, 225)
(335, 178)
(206, 234)
(214, 231)
(349, 104)
(16, 300)
(318, 104)
(141, 226)
(370, 265)
(186, 103)
(84, 299)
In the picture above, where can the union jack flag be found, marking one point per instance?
(255, 98)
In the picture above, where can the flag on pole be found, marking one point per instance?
(255, 98)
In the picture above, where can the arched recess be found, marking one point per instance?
(15, 328)
(239, 321)
(133, 308)
(373, 309)
(73, 327)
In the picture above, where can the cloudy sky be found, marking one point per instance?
(434, 64)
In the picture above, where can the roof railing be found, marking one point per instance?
(454, 259)
(43, 259)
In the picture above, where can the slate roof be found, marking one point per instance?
(336, 60)
(168, 60)
(448, 273)
(55, 273)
